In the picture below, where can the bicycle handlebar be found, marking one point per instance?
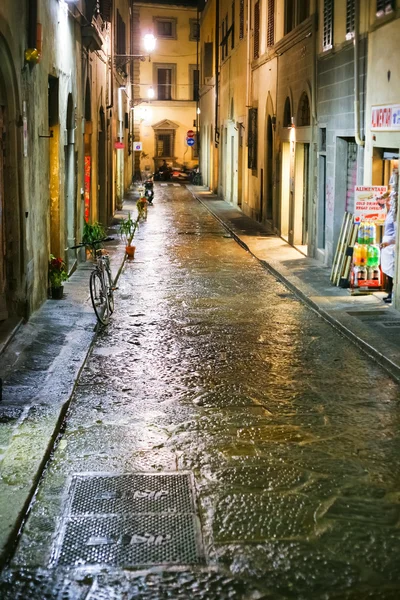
(82, 244)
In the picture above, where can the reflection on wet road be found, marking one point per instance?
(289, 433)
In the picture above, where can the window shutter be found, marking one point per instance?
(350, 17)
(271, 23)
(106, 9)
(256, 30)
(328, 25)
(208, 59)
(252, 139)
(241, 20)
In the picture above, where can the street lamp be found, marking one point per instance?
(149, 44)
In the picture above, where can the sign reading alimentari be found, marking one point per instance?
(386, 117)
(366, 207)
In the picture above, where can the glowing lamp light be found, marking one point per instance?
(150, 92)
(198, 110)
(149, 42)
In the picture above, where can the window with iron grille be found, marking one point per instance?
(328, 25)
(350, 18)
(241, 20)
(384, 7)
(256, 50)
(165, 144)
(252, 138)
(271, 23)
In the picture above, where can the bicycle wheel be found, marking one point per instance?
(110, 289)
(98, 294)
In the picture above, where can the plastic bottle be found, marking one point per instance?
(372, 233)
(356, 255)
(361, 233)
(363, 255)
(372, 256)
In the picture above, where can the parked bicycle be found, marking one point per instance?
(100, 283)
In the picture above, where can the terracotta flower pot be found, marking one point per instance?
(57, 292)
(130, 251)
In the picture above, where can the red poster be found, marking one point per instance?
(87, 187)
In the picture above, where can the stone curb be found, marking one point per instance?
(390, 367)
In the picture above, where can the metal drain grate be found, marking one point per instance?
(390, 323)
(125, 542)
(129, 520)
(130, 493)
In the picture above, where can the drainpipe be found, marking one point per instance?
(216, 128)
(357, 136)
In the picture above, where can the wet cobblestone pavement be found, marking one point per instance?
(287, 434)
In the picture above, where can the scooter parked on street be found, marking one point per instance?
(149, 190)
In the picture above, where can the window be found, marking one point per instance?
(208, 59)
(232, 28)
(252, 139)
(384, 7)
(287, 114)
(194, 81)
(194, 30)
(304, 111)
(296, 11)
(224, 38)
(271, 23)
(350, 19)
(106, 9)
(121, 42)
(256, 49)
(241, 19)
(164, 84)
(164, 145)
(165, 28)
(327, 42)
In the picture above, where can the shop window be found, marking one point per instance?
(256, 47)
(328, 25)
(271, 23)
(287, 114)
(384, 7)
(241, 19)
(194, 30)
(350, 19)
(165, 28)
(304, 111)
(252, 138)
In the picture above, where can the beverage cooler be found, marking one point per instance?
(365, 271)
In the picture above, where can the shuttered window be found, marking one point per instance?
(384, 7)
(256, 53)
(106, 9)
(271, 23)
(241, 19)
(328, 25)
(350, 18)
(252, 139)
(208, 59)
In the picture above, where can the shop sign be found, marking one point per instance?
(386, 117)
(119, 145)
(87, 187)
(366, 207)
(137, 146)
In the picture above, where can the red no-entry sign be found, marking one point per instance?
(190, 133)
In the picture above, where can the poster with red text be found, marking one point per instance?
(366, 207)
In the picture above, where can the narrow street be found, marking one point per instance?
(223, 441)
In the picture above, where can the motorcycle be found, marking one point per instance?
(149, 190)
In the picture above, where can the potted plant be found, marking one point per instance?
(57, 275)
(92, 232)
(142, 207)
(127, 229)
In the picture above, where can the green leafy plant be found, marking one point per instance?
(57, 271)
(93, 231)
(127, 229)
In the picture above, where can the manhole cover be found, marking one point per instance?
(129, 520)
(130, 493)
(125, 542)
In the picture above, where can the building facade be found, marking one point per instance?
(64, 156)
(166, 87)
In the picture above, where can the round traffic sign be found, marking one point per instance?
(190, 141)
(190, 133)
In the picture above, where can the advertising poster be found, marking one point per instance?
(366, 207)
